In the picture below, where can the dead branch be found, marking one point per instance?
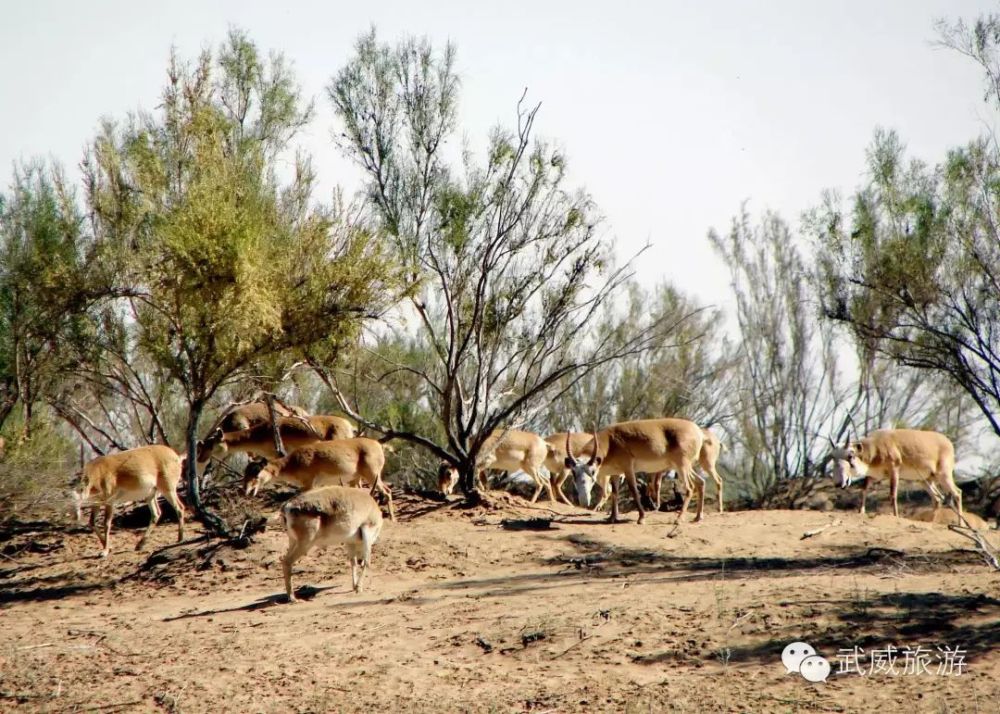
(817, 531)
(989, 553)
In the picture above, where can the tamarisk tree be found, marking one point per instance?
(228, 265)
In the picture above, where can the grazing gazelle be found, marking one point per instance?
(328, 515)
(555, 459)
(258, 440)
(505, 450)
(245, 416)
(908, 454)
(649, 445)
(134, 475)
(711, 447)
(346, 462)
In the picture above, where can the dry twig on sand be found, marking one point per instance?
(989, 552)
(817, 531)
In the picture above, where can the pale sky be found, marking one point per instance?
(671, 113)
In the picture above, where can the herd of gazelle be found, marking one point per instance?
(327, 461)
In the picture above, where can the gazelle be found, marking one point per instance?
(328, 515)
(134, 475)
(347, 462)
(555, 459)
(648, 445)
(908, 454)
(254, 413)
(259, 440)
(509, 450)
(711, 447)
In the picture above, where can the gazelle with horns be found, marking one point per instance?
(645, 445)
(908, 454)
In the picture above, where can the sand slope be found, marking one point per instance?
(465, 614)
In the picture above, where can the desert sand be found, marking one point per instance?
(504, 609)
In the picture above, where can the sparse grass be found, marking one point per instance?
(860, 602)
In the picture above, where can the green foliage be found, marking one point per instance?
(43, 296)
(687, 375)
(228, 264)
(35, 472)
(786, 387)
(913, 270)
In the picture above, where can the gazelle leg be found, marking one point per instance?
(956, 492)
(894, 491)
(109, 512)
(634, 488)
(605, 492)
(387, 492)
(296, 549)
(154, 518)
(178, 507)
(687, 484)
(560, 477)
(653, 489)
(700, 486)
(540, 483)
(718, 485)
(614, 500)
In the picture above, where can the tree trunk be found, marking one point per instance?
(203, 514)
(468, 479)
(191, 466)
(470, 486)
(279, 447)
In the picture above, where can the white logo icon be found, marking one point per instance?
(793, 655)
(814, 668)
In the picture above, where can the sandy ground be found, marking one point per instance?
(477, 610)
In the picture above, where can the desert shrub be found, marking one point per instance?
(36, 472)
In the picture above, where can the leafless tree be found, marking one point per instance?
(510, 269)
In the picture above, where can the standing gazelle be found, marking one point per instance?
(908, 454)
(711, 447)
(328, 515)
(134, 475)
(648, 445)
(505, 450)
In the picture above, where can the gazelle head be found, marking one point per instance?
(257, 473)
(846, 464)
(78, 493)
(447, 478)
(213, 446)
(584, 472)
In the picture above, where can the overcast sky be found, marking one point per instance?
(671, 113)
